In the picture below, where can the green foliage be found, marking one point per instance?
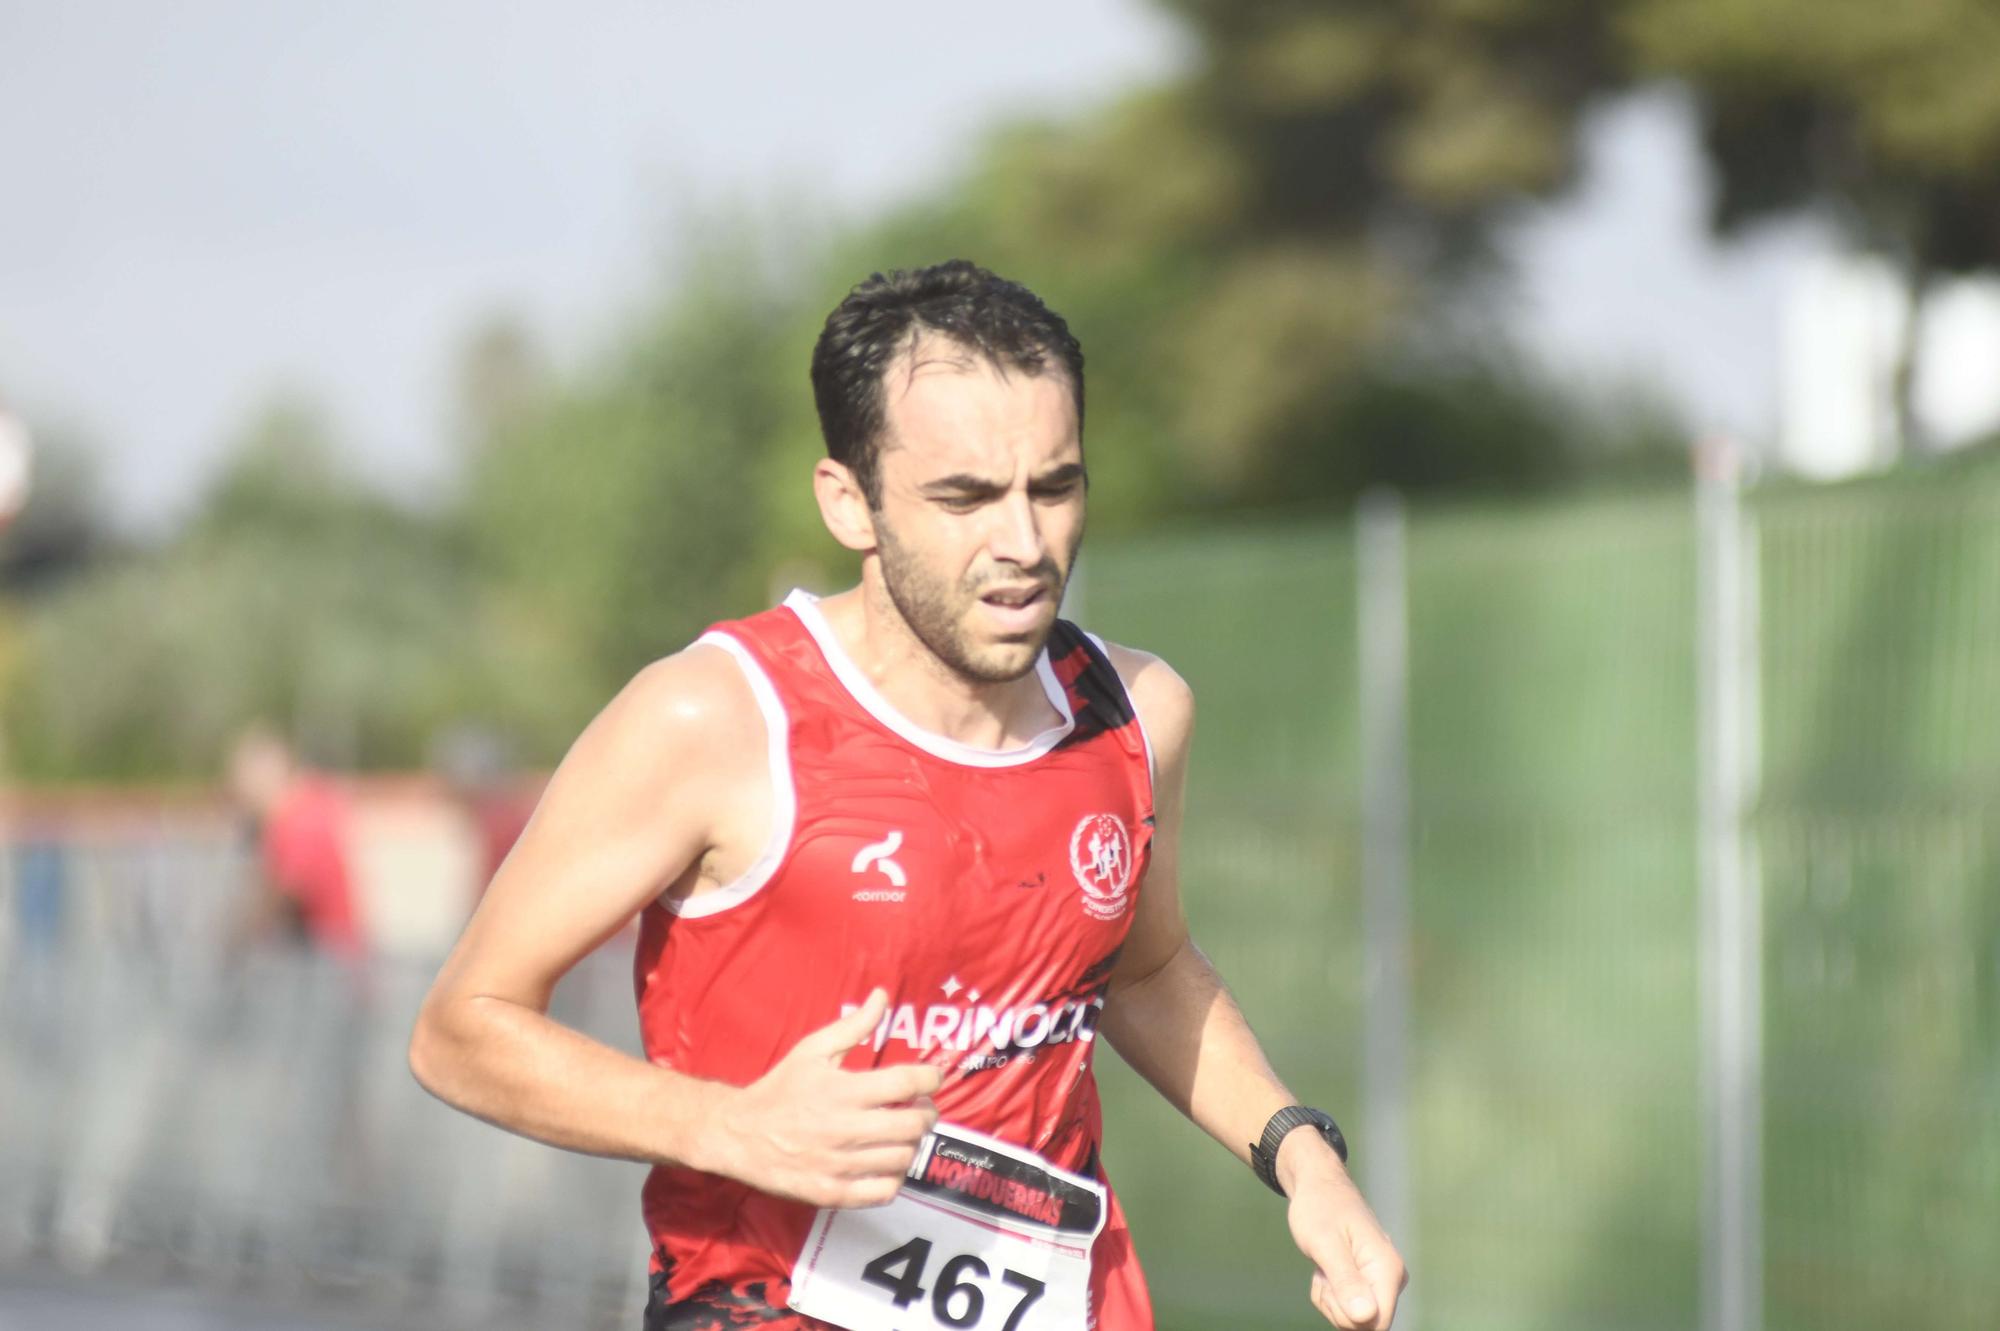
(1431, 116)
(1885, 116)
(622, 514)
(1258, 255)
(1244, 249)
(1496, 424)
(295, 595)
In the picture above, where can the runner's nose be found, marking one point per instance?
(1015, 536)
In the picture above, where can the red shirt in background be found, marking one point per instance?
(305, 857)
(500, 817)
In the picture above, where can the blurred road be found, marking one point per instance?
(28, 1305)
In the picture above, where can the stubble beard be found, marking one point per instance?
(937, 618)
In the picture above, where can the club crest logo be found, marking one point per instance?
(1100, 855)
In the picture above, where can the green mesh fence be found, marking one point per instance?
(1555, 1035)
(1262, 626)
(1879, 829)
(1554, 1053)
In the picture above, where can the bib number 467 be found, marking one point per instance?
(959, 1297)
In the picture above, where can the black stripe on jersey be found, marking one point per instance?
(1103, 693)
(716, 1306)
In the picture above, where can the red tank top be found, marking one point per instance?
(987, 891)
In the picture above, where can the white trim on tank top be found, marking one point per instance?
(806, 606)
(784, 802)
(1152, 769)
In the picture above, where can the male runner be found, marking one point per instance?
(899, 855)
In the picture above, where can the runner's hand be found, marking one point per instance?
(814, 1132)
(1357, 1273)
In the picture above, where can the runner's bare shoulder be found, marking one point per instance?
(1164, 700)
(668, 756)
(691, 713)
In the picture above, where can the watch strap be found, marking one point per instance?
(1264, 1151)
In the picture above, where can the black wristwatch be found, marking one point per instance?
(1264, 1153)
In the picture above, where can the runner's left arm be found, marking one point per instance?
(1171, 1017)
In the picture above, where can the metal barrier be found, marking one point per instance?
(170, 1113)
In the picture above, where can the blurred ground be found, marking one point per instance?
(31, 1305)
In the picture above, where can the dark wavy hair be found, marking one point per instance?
(984, 314)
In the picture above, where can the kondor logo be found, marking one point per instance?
(877, 858)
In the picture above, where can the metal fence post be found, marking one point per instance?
(1384, 1158)
(1731, 943)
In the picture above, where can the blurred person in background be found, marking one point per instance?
(304, 889)
(480, 773)
(303, 908)
(899, 854)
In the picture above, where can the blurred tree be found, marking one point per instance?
(621, 514)
(503, 378)
(283, 480)
(1885, 118)
(1425, 117)
(1239, 247)
(295, 594)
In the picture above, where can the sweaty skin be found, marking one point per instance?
(666, 793)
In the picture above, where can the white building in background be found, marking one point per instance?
(1843, 321)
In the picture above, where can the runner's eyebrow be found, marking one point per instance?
(965, 483)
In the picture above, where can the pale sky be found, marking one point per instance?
(1622, 278)
(203, 202)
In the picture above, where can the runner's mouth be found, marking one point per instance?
(1016, 598)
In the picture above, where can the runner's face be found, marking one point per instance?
(982, 507)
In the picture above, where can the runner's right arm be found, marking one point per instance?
(665, 791)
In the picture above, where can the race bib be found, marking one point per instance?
(983, 1237)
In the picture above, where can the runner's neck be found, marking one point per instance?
(925, 694)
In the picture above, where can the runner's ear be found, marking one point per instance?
(844, 506)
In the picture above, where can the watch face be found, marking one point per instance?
(1331, 1131)
(1319, 1120)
